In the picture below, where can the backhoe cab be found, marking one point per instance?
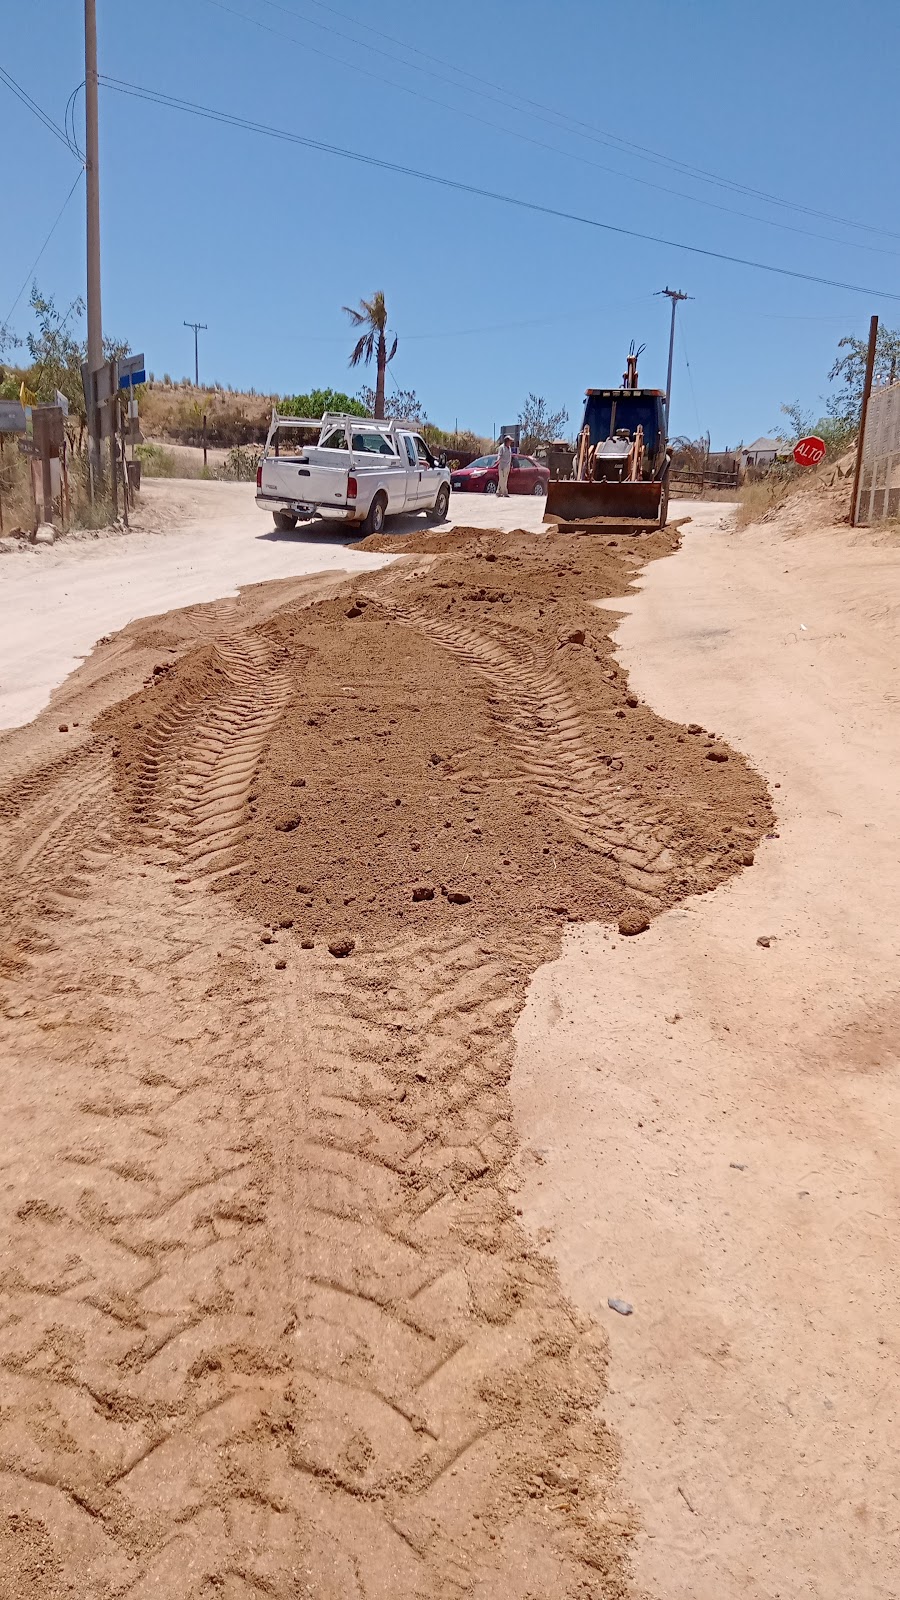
(621, 463)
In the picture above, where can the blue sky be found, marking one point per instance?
(266, 241)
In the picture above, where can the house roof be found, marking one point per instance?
(763, 444)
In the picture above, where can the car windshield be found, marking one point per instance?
(484, 461)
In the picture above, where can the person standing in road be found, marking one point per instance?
(504, 462)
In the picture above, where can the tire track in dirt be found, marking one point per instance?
(559, 757)
(434, 1341)
(269, 1325)
(266, 1307)
(196, 769)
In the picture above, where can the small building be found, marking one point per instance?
(761, 453)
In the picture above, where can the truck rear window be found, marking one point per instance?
(374, 444)
(337, 440)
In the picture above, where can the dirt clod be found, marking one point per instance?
(342, 947)
(64, 727)
(632, 922)
(423, 892)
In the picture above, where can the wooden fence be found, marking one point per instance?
(879, 479)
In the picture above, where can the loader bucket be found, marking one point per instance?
(640, 505)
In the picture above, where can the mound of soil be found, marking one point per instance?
(456, 741)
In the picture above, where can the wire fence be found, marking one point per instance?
(879, 479)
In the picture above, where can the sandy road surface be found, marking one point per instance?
(270, 1324)
(720, 1122)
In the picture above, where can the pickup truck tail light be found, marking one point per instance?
(259, 476)
(352, 488)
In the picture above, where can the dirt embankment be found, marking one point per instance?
(271, 1322)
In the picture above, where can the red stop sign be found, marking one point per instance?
(810, 451)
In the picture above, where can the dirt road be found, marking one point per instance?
(271, 1322)
(719, 1119)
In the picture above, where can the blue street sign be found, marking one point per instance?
(131, 371)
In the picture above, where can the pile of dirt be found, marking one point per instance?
(455, 742)
(272, 1320)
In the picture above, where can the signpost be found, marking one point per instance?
(810, 451)
(132, 371)
(12, 417)
(49, 439)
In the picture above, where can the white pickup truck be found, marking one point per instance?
(359, 472)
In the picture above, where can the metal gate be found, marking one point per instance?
(879, 479)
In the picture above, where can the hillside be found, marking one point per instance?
(175, 412)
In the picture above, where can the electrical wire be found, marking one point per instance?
(137, 91)
(36, 110)
(514, 133)
(69, 118)
(690, 374)
(31, 269)
(582, 129)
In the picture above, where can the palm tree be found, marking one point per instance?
(372, 315)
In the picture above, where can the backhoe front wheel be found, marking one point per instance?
(374, 519)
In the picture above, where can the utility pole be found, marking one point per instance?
(674, 295)
(863, 415)
(92, 171)
(198, 327)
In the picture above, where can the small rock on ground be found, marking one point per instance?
(632, 922)
(341, 947)
(623, 1307)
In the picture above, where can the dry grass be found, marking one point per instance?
(20, 515)
(175, 412)
(757, 499)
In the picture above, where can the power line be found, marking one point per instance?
(690, 376)
(69, 119)
(514, 133)
(36, 110)
(37, 258)
(227, 118)
(581, 129)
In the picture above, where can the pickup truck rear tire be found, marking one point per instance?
(373, 521)
(438, 512)
(283, 520)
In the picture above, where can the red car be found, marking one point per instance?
(526, 476)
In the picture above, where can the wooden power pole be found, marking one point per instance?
(198, 327)
(92, 172)
(863, 414)
(674, 295)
